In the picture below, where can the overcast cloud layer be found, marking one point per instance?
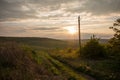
(48, 18)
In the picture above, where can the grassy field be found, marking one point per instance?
(20, 62)
(50, 59)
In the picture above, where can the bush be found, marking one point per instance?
(114, 43)
(93, 49)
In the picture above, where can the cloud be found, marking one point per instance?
(33, 17)
(98, 7)
(27, 9)
(11, 30)
(48, 2)
(14, 10)
(47, 28)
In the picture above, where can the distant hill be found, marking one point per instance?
(35, 41)
(102, 41)
(46, 42)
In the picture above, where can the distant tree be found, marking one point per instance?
(115, 41)
(93, 49)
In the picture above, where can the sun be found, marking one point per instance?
(71, 30)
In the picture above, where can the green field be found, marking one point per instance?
(50, 59)
(24, 63)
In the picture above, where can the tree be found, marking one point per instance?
(115, 41)
(93, 49)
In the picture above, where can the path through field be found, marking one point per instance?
(60, 70)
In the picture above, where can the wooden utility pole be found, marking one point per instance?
(79, 33)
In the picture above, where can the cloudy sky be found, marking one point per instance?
(53, 18)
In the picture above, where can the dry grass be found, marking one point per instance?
(17, 64)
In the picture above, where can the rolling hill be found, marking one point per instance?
(46, 42)
(35, 41)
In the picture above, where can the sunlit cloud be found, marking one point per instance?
(50, 18)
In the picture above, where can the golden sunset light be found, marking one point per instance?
(59, 39)
(71, 30)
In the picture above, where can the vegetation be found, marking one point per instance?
(20, 62)
(114, 43)
(93, 49)
(14, 62)
(97, 60)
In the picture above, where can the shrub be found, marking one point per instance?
(93, 49)
(114, 47)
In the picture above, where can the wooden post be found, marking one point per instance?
(79, 33)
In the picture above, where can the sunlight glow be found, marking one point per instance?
(71, 30)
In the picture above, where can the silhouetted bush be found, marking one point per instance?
(114, 43)
(93, 49)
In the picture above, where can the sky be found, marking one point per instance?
(54, 18)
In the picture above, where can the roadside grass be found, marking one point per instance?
(106, 69)
(21, 62)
